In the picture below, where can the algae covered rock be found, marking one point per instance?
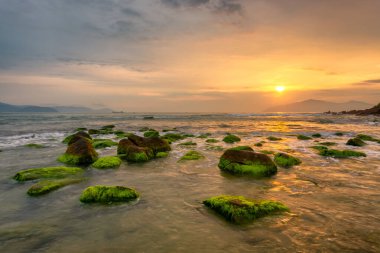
(356, 142)
(247, 162)
(103, 143)
(34, 145)
(231, 138)
(46, 186)
(81, 152)
(212, 140)
(239, 209)
(273, 138)
(247, 148)
(74, 137)
(107, 162)
(108, 194)
(156, 144)
(303, 137)
(188, 143)
(150, 134)
(173, 137)
(324, 151)
(285, 160)
(133, 153)
(317, 135)
(162, 154)
(192, 155)
(365, 137)
(48, 172)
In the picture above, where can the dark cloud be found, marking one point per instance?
(370, 82)
(226, 6)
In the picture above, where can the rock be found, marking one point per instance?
(285, 160)
(231, 138)
(81, 129)
(324, 151)
(107, 162)
(317, 135)
(173, 137)
(247, 162)
(148, 117)
(155, 143)
(272, 138)
(81, 152)
(356, 142)
(212, 141)
(247, 148)
(34, 145)
(327, 143)
(103, 143)
(47, 172)
(204, 136)
(108, 194)
(192, 155)
(371, 111)
(365, 137)
(303, 137)
(239, 209)
(339, 134)
(133, 153)
(94, 131)
(188, 143)
(74, 137)
(46, 186)
(106, 127)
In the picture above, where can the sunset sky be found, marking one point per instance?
(188, 55)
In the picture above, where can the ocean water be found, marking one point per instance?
(334, 203)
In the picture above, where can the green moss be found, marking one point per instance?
(188, 143)
(318, 135)
(47, 186)
(188, 135)
(69, 159)
(107, 162)
(339, 134)
(324, 151)
(238, 209)
(108, 194)
(121, 134)
(267, 152)
(259, 144)
(192, 155)
(212, 141)
(303, 137)
(328, 143)
(204, 136)
(365, 137)
(255, 169)
(285, 160)
(149, 134)
(356, 142)
(103, 143)
(272, 138)
(34, 145)
(231, 138)
(48, 172)
(238, 148)
(215, 148)
(173, 137)
(162, 154)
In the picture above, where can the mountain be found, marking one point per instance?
(24, 108)
(371, 111)
(64, 109)
(313, 105)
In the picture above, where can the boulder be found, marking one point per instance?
(108, 194)
(81, 152)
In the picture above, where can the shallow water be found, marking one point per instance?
(334, 203)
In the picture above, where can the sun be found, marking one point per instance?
(280, 88)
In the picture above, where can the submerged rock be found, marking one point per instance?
(273, 138)
(324, 151)
(173, 137)
(231, 138)
(192, 155)
(365, 137)
(285, 160)
(317, 135)
(188, 143)
(46, 186)
(303, 137)
(108, 194)
(48, 172)
(212, 140)
(247, 162)
(34, 145)
(107, 162)
(239, 209)
(79, 152)
(204, 136)
(356, 142)
(327, 143)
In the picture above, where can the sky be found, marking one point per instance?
(188, 55)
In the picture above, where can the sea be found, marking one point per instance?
(334, 203)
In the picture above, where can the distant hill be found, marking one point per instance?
(313, 105)
(64, 109)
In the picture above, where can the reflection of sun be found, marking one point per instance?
(280, 88)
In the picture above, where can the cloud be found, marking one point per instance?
(224, 6)
(369, 82)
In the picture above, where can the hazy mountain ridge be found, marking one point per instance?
(313, 105)
(64, 109)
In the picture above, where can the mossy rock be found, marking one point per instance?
(192, 155)
(129, 151)
(273, 138)
(324, 151)
(247, 148)
(204, 136)
(285, 160)
(150, 134)
(144, 129)
(81, 152)
(106, 127)
(94, 131)
(46, 186)
(48, 172)
(303, 137)
(74, 137)
(328, 143)
(103, 143)
(215, 148)
(156, 144)
(339, 134)
(188, 135)
(317, 135)
(162, 154)
(108, 194)
(34, 145)
(107, 162)
(231, 139)
(365, 137)
(267, 152)
(173, 137)
(188, 143)
(212, 141)
(247, 162)
(356, 142)
(259, 144)
(239, 209)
